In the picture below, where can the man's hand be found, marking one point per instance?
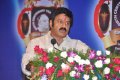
(26, 69)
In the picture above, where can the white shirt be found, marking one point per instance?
(45, 43)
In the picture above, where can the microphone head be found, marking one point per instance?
(53, 41)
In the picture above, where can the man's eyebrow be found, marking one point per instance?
(62, 19)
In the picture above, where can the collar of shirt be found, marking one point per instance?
(66, 39)
(50, 37)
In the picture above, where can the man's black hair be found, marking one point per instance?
(61, 10)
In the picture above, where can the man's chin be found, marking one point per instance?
(63, 35)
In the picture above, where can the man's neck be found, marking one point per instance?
(58, 39)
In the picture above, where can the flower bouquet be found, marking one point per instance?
(74, 65)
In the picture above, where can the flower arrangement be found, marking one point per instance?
(74, 65)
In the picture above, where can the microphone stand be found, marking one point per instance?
(53, 42)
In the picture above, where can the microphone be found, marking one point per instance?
(53, 42)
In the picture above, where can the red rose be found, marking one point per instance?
(40, 73)
(117, 68)
(45, 59)
(72, 63)
(44, 53)
(110, 65)
(50, 70)
(40, 51)
(56, 59)
(114, 75)
(116, 60)
(41, 70)
(59, 74)
(36, 48)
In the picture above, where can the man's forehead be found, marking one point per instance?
(63, 17)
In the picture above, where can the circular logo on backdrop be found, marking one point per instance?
(40, 20)
(117, 14)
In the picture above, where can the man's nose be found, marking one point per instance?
(64, 24)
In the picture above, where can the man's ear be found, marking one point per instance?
(50, 23)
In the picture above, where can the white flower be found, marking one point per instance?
(48, 65)
(94, 78)
(98, 64)
(50, 49)
(119, 71)
(107, 52)
(106, 70)
(72, 73)
(77, 58)
(81, 62)
(87, 62)
(99, 53)
(63, 65)
(63, 54)
(92, 71)
(86, 77)
(70, 59)
(107, 61)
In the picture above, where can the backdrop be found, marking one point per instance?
(12, 45)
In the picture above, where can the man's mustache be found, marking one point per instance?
(63, 29)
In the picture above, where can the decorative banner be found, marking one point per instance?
(96, 17)
(14, 12)
(107, 23)
(102, 21)
(115, 33)
(40, 21)
(33, 20)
